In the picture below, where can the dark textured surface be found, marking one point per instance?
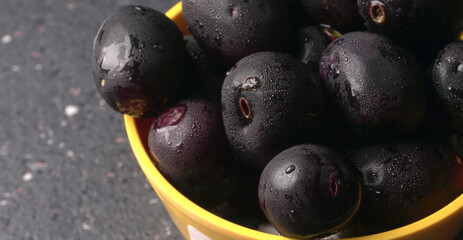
(66, 176)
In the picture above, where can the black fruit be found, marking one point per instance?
(309, 191)
(421, 25)
(339, 14)
(189, 147)
(137, 60)
(311, 42)
(406, 181)
(270, 101)
(229, 30)
(447, 82)
(203, 72)
(376, 84)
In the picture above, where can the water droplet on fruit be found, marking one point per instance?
(377, 192)
(169, 143)
(460, 67)
(336, 74)
(158, 47)
(218, 41)
(295, 215)
(290, 169)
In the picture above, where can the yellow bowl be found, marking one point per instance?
(196, 223)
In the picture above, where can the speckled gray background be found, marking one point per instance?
(67, 170)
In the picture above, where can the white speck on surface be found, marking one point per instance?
(71, 110)
(61, 145)
(38, 67)
(36, 166)
(70, 154)
(120, 164)
(153, 201)
(85, 226)
(6, 39)
(3, 203)
(50, 141)
(166, 227)
(43, 135)
(27, 177)
(102, 104)
(15, 68)
(4, 150)
(63, 123)
(71, 6)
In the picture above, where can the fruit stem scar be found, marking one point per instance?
(172, 117)
(333, 184)
(245, 108)
(377, 12)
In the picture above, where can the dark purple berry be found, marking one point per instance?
(447, 82)
(229, 30)
(309, 191)
(137, 60)
(270, 101)
(203, 72)
(376, 84)
(421, 25)
(311, 42)
(406, 181)
(189, 147)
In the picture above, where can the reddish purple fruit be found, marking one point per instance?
(189, 147)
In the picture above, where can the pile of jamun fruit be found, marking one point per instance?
(318, 117)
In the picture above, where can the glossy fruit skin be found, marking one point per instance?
(309, 191)
(339, 14)
(311, 42)
(188, 145)
(376, 84)
(229, 30)
(285, 106)
(137, 61)
(406, 181)
(203, 73)
(447, 83)
(422, 25)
